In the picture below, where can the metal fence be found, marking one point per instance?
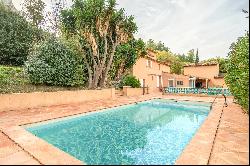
(209, 91)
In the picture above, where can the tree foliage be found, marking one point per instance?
(191, 56)
(237, 77)
(16, 36)
(53, 62)
(33, 11)
(221, 61)
(176, 65)
(151, 44)
(126, 56)
(130, 80)
(98, 28)
(52, 18)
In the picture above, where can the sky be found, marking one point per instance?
(182, 25)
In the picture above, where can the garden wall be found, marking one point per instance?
(129, 91)
(38, 99)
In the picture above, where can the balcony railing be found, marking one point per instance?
(209, 91)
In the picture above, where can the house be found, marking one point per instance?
(150, 71)
(206, 75)
(196, 76)
(175, 80)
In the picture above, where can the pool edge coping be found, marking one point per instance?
(198, 150)
(26, 140)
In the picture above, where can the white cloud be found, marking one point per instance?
(182, 25)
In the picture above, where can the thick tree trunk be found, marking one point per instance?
(105, 72)
(90, 79)
(102, 65)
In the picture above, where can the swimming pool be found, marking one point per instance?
(151, 132)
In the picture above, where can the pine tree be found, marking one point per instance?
(197, 59)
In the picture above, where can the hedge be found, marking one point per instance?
(237, 77)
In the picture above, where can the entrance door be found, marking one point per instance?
(143, 82)
(144, 86)
(158, 81)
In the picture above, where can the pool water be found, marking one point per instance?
(147, 133)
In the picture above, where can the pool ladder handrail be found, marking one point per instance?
(217, 97)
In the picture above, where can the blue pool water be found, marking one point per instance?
(151, 132)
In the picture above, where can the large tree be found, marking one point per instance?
(164, 56)
(176, 65)
(98, 28)
(16, 36)
(126, 56)
(160, 46)
(191, 56)
(33, 11)
(52, 18)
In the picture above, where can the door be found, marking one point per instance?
(142, 82)
(157, 81)
(144, 86)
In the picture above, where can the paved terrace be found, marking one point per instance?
(229, 146)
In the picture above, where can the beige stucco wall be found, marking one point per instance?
(128, 91)
(209, 72)
(165, 68)
(38, 99)
(141, 71)
(202, 71)
(167, 76)
(218, 82)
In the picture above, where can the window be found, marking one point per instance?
(149, 63)
(179, 82)
(159, 67)
(170, 83)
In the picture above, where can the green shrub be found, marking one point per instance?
(10, 78)
(16, 36)
(53, 62)
(11, 75)
(130, 80)
(237, 77)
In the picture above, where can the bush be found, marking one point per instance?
(237, 77)
(11, 75)
(130, 80)
(16, 36)
(53, 62)
(10, 78)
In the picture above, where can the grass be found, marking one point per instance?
(14, 80)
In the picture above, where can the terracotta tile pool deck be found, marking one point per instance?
(222, 139)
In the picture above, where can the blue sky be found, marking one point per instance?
(210, 25)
